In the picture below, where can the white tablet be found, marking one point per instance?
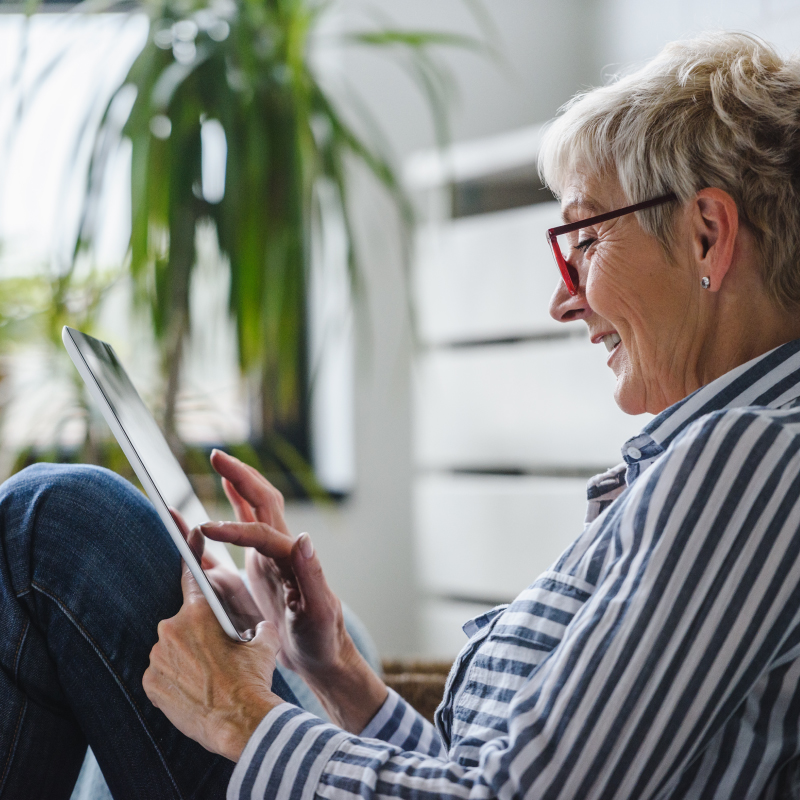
(153, 462)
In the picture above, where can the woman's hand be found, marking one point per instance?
(211, 688)
(290, 589)
(228, 584)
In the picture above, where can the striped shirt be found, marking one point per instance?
(659, 657)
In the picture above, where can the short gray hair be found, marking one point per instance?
(720, 110)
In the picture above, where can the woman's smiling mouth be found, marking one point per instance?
(611, 341)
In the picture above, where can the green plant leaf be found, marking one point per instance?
(253, 73)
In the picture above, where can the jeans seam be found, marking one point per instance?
(107, 663)
(18, 653)
(13, 749)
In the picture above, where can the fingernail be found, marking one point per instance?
(211, 525)
(306, 548)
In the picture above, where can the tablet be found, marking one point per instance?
(155, 465)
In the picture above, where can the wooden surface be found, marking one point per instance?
(420, 683)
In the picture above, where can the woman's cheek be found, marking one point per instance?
(603, 293)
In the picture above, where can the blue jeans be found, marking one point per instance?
(87, 571)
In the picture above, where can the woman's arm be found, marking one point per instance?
(687, 639)
(218, 691)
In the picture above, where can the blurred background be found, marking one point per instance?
(315, 236)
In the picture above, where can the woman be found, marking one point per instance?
(660, 655)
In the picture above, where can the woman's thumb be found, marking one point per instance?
(267, 636)
(308, 573)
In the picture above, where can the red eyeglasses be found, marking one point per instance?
(570, 243)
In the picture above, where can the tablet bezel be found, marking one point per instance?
(93, 384)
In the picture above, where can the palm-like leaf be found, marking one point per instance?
(249, 68)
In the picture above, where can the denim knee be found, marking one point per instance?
(87, 571)
(64, 479)
(78, 519)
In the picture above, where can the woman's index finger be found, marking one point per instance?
(252, 487)
(243, 509)
(267, 540)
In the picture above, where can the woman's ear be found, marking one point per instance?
(714, 226)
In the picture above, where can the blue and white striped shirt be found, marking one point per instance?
(659, 657)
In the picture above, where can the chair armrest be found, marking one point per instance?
(419, 683)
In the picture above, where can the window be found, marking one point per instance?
(57, 72)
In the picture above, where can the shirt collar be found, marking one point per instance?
(771, 380)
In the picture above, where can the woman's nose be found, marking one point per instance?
(565, 307)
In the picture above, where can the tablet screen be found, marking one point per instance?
(142, 431)
(149, 446)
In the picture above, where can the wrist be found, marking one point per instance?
(349, 690)
(239, 726)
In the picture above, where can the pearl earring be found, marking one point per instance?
(705, 282)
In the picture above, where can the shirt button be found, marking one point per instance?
(634, 452)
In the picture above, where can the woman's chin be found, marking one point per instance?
(632, 397)
(629, 394)
(627, 403)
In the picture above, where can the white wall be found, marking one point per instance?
(629, 31)
(544, 59)
(552, 50)
(366, 545)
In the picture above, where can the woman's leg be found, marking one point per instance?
(86, 573)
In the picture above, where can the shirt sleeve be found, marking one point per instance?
(399, 724)
(700, 602)
(287, 727)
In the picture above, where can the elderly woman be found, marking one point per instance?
(658, 657)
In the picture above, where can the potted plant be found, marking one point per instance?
(244, 69)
